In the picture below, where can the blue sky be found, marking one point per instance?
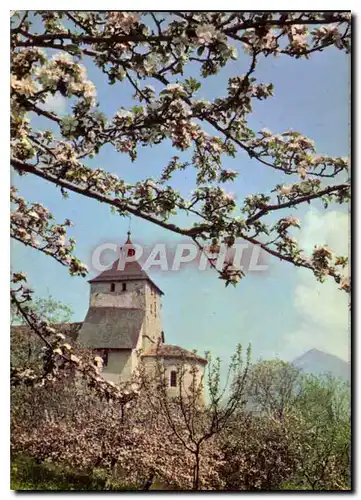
(282, 312)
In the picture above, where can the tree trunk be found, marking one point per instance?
(196, 471)
(148, 482)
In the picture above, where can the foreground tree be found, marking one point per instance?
(258, 453)
(47, 308)
(306, 446)
(50, 53)
(185, 445)
(323, 411)
(175, 439)
(274, 387)
(196, 425)
(313, 413)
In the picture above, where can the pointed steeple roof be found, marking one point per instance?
(132, 270)
(131, 251)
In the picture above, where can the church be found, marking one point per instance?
(123, 325)
(124, 319)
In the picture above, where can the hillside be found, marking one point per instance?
(319, 362)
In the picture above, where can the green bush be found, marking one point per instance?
(28, 475)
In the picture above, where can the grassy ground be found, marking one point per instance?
(27, 475)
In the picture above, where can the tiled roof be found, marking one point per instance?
(111, 327)
(131, 271)
(172, 351)
(69, 329)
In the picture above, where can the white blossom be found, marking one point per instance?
(206, 33)
(286, 189)
(174, 87)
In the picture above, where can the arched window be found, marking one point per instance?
(112, 287)
(173, 378)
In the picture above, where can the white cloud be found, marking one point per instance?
(323, 309)
(330, 228)
(56, 103)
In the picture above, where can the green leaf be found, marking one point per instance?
(137, 109)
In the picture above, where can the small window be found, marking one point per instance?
(124, 287)
(162, 337)
(173, 378)
(112, 287)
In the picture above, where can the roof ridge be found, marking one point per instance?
(175, 351)
(132, 270)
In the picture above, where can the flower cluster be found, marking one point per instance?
(298, 36)
(61, 73)
(330, 35)
(283, 225)
(32, 225)
(139, 48)
(322, 257)
(121, 22)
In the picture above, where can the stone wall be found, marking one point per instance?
(180, 366)
(139, 294)
(119, 367)
(152, 327)
(133, 297)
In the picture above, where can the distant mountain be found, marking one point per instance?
(319, 362)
